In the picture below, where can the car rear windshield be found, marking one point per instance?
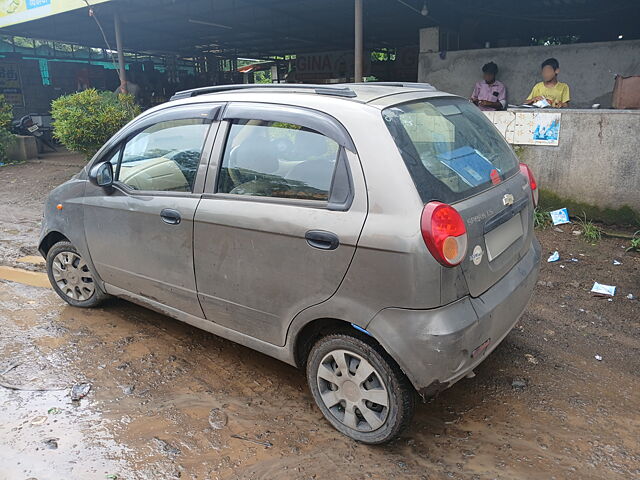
(450, 148)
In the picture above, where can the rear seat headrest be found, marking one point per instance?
(257, 154)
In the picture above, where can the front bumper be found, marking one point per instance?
(435, 347)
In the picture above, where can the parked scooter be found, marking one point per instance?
(26, 126)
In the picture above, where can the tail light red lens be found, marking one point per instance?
(444, 233)
(526, 171)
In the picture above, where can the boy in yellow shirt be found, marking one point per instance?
(550, 89)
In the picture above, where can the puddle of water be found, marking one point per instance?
(43, 434)
(32, 259)
(29, 424)
(34, 279)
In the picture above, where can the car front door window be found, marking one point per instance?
(163, 157)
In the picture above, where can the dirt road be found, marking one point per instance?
(541, 406)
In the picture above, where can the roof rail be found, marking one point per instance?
(339, 91)
(423, 86)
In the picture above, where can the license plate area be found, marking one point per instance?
(503, 236)
(32, 128)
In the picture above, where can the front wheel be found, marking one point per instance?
(71, 277)
(359, 389)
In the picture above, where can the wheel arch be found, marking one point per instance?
(309, 333)
(50, 240)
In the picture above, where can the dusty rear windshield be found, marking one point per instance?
(450, 148)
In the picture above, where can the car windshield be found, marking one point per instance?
(450, 148)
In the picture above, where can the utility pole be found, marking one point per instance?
(123, 70)
(357, 70)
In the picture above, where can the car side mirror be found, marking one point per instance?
(102, 175)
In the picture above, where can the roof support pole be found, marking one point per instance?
(357, 70)
(123, 70)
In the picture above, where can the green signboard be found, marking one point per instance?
(19, 11)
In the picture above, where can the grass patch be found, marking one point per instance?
(635, 242)
(622, 216)
(590, 232)
(9, 163)
(541, 218)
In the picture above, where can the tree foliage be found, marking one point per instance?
(84, 121)
(6, 137)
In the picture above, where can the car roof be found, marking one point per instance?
(368, 92)
(336, 100)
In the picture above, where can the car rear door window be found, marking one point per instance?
(277, 159)
(450, 148)
(164, 156)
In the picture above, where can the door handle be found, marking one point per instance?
(322, 240)
(170, 216)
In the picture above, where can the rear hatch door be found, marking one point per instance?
(499, 230)
(456, 156)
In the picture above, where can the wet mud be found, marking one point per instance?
(170, 401)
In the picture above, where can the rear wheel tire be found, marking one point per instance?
(71, 277)
(359, 389)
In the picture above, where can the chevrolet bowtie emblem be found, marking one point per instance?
(507, 199)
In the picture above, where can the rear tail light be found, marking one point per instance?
(526, 171)
(444, 233)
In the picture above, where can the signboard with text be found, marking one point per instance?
(13, 12)
(333, 64)
(10, 84)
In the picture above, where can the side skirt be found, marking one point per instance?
(280, 353)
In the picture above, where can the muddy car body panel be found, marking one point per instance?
(260, 242)
(249, 238)
(454, 331)
(67, 221)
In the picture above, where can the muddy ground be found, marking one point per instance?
(541, 406)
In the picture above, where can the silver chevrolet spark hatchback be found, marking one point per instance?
(378, 235)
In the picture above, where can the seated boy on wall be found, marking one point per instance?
(550, 89)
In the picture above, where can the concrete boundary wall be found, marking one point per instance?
(597, 160)
(23, 148)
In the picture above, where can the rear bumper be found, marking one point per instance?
(435, 347)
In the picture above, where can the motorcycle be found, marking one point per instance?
(27, 127)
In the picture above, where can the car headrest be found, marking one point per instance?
(311, 144)
(256, 154)
(314, 173)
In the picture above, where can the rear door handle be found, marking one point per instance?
(322, 240)
(170, 216)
